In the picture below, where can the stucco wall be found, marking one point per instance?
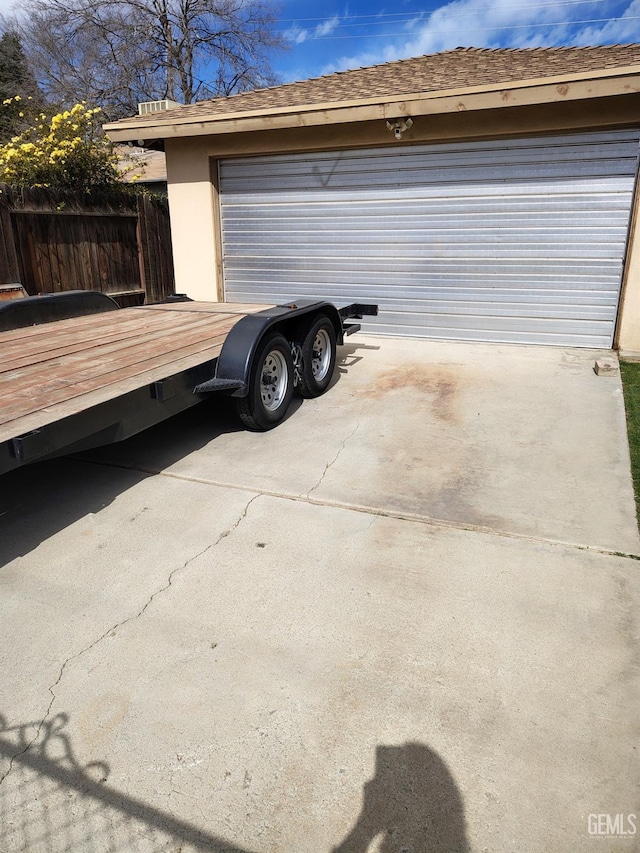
(192, 206)
(628, 331)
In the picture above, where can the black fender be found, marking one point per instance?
(33, 310)
(235, 361)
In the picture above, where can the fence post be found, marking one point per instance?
(9, 266)
(156, 256)
(143, 251)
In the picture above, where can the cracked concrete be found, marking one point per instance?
(109, 589)
(111, 631)
(335, 459)
(385, 641)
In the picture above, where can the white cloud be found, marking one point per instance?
(622, 31)
(501, 23)
(294, 34)
(298, 35)
(327, 27)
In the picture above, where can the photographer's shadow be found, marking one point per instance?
(412, 805)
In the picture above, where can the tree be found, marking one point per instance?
(67, 151)
(118, 52)
(19, 94)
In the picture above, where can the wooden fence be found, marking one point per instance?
(50, 245)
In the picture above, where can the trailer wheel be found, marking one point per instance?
(318, 358)
(270, 385)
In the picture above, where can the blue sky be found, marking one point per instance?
(334, 35)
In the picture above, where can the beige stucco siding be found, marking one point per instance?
(628, 331)
(192, 205)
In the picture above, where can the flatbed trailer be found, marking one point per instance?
(77, 371)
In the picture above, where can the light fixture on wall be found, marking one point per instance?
(397, 126)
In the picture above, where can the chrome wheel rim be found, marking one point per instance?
(275, 380)
(321, 358)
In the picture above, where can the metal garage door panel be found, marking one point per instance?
(518, 241)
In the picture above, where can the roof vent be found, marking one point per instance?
(156, 106)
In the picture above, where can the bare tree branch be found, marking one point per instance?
(116, 53)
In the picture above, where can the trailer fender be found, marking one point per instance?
(49, 307)
(235, 361)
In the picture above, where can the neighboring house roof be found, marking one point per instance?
(453, 71)
(141, 165)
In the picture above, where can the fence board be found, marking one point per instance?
(156, 251)
(50, 246)
(9, 271)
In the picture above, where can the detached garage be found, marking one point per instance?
(498, 208)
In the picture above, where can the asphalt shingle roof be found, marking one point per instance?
(452, 69)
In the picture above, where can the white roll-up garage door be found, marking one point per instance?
(519, 240)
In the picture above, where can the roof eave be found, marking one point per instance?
(566, 87)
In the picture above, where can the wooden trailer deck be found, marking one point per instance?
(59, 369)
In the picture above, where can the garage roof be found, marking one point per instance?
(391, 85)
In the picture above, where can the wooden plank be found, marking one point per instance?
(56, 362)
(88, 321)
(25, 391)
(43, 349)
(85, 269)
(108, 355)
(131, 292)
(97, 322)
(25, 260)
(140, 239)
(77, 213)
(87, 400)
(92, 327)
(9, 269)
(145, 251)
(211, 307)
(50, 250)
(38, 235)
(71, 400)
(89, 327)
(126, 241)
(60, 254)
(156, 253)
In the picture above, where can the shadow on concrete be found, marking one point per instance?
(49, 801)
(347, 357)
(412, 805)
(168, 442)
(165, 444)
(39, 500)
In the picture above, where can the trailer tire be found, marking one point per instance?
(318, 357)
(270, 385)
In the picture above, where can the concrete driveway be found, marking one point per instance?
(404, 621)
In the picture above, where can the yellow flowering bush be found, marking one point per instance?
(15, 115)
(66, 151)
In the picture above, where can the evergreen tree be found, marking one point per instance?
(19, 93)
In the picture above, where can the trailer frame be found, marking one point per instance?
(152, 402)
